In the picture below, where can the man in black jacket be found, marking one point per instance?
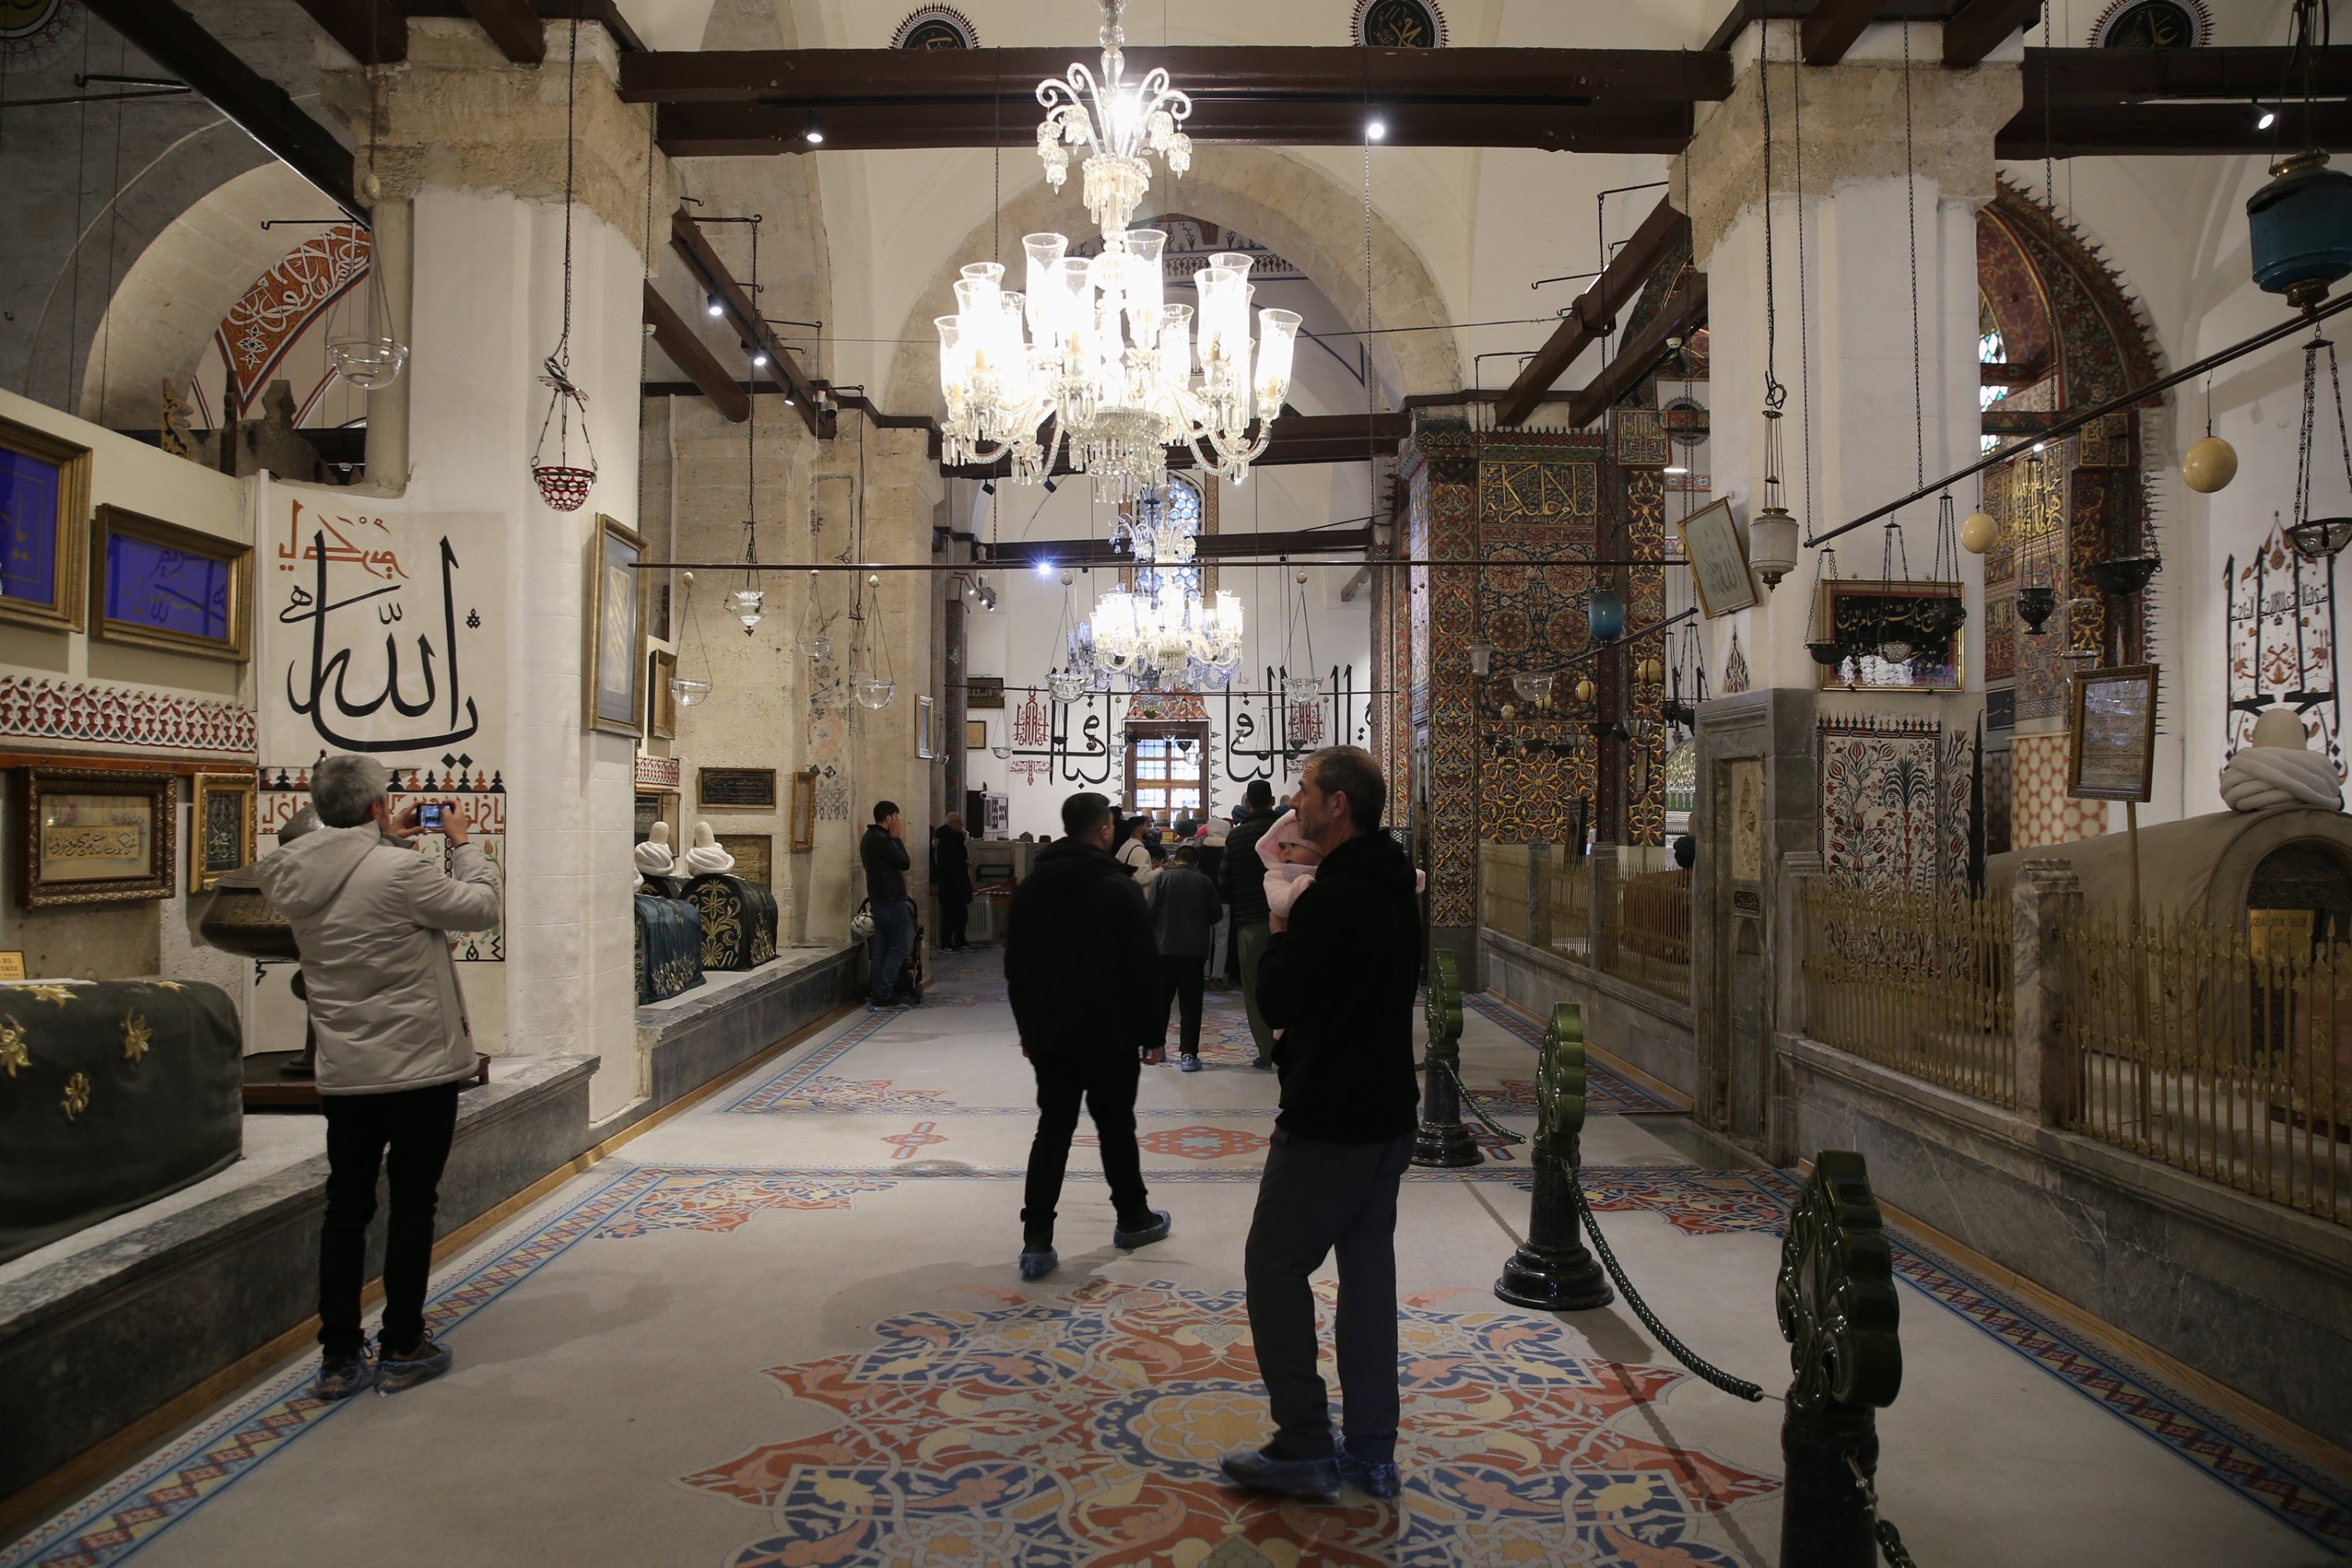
(1184, 911)
(951, 881)
(884, 855)
(1082, 971)
(1339, 984)
(1242, 880)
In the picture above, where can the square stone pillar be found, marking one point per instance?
(2048, 895)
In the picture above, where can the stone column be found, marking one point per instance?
(1601, 871)
(1856, 328)
(2047, 896)
(1538, 906)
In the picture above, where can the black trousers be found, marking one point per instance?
(413, 1127)
(1106, 1083)
(954, 914)
(1182, 980)
(1314, 1198)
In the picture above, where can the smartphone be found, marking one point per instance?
(428, 817)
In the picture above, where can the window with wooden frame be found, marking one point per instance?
(1167, 769)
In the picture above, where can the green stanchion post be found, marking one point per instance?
(1441, 1141)
(1551, 1270)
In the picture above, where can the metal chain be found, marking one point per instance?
(2303, 440)
(1738, 1388)
(1804, 320)
(2336, 377)
(1775, 394)
(1889, 1539)
(1911, 221)
(1470, 1102)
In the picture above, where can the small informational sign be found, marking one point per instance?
(2113, 751)
(12, 965)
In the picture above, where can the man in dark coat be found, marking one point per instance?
(1184, 911)
(1338, 983)
(951, 881)
(1242, 879)
(884, 855)
(1082, 971)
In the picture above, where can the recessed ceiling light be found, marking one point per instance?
(713, 307)
(1376, 128)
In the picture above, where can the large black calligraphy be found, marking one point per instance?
(329, 670)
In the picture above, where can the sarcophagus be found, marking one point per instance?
(739, 920)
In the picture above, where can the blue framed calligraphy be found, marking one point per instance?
(44, 500)
(160, 585)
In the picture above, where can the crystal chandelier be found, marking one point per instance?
(1089, 350)
(1164, 631)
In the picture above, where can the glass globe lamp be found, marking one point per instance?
(745, 606)
(687, 693)
(368, 364)
(873, 691)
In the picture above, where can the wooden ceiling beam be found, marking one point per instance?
(1684, 313)
(1209, 547)
(605, 14)
(2254, 74)
(2165, 130)
(172, 38)
(735, 301)
(1830, 27)
(1594, 314)
(1981, 27)
(692, 355)
(373, 32)
(514, 27)
(1296, 439)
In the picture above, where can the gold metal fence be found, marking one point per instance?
(1651, 926)
(2223, 1053)
(1503, 878)
(1920, 982)
(1568, 898)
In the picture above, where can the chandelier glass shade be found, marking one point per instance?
(1165, 632)
(1088, 362)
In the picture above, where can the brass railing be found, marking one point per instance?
(1920, 982)
(1502, 881)
(2225, 1054)
(1650, 931)
(1568, 898)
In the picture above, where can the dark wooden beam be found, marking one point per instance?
(1684, 313)
(1981, 27)
(1594, 313)
(1209, 547)
(690, 354)
(514, 27)
(2165, 130)
(2251, 74)
(1830, 27)
(1006, 79)
(1745, 11)
(699, 130)
(172, 39)
(693, 246)
(605, 13)
(373, 32)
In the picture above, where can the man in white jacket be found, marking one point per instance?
(372, 917)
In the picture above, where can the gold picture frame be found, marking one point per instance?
(95, 836)
(220, 833)
(35, 465)
(156, 585)
(755, 856)
(661, 702)
(735, 789)
(2111, 733)
(803, 821)
(1935, 667)
(926, 728)
(1718, 562)
(616, 629)
(975, 734)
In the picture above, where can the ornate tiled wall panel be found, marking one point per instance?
(1894, 801)
(2040, 811)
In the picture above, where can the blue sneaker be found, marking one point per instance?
(1374, 1480)
(423, 1364)
(1191, 1063)
(1261, 1471)
(1038, 1263)
(1143, 1235)
(340, 1377)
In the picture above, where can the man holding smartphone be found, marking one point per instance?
(372, 918)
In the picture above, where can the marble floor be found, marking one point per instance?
(785, 1328)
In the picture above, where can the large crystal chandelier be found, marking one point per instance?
(1163, 633)
(1090, 358)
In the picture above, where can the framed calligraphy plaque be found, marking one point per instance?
(1718, 562)
(2111, 749)
(95, 836)
(157, 585)
(661, 702)
(220, 826)
(44, 504)
(755, 855)
(983, 691)
(803, 823)
(736, 789)
(616, 629)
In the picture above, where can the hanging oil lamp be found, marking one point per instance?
(2318, 538)
(1818, 639)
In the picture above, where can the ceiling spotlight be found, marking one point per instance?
(1044, 569)
(814, 134)
(2265, 118)
(988, 487)
(1376, 128)
(758, 359)
(713, 307)
(987, 598)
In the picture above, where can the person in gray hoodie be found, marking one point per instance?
(372, 917)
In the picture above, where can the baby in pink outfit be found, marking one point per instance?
(1290, 862)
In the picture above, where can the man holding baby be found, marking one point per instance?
(1336, 982)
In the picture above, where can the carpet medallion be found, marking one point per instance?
(1085, 1429)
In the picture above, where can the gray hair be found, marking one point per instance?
(345, 786)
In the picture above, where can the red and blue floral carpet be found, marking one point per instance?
(784, 1330)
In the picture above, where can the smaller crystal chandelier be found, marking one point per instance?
(1161, 632)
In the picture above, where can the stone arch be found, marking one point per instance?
(1283, 204)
